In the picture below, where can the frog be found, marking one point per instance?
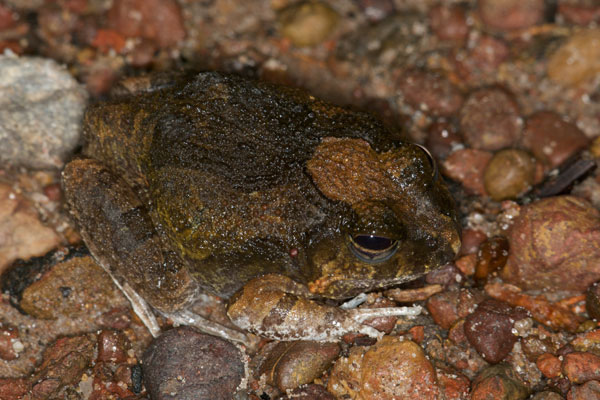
(259, 193)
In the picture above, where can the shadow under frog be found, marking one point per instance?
(216, 182)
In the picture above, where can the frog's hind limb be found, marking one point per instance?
(121, 237)
(277, 307)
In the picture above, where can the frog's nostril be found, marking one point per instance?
(372, 248)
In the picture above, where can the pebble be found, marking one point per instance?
(449, 306)
(41, 108)
(187, 364)
(546, 395)
(449, 22)
(592, 301)
(509, 173)
(484, 57)
(376, 10)
(498, 382)
(551, 139)
(554, 246)
(391, 369)
(73, 287)
(14, 388)
(10, 345)
(577, 60)
(22, 234)
(307, 23)
(112, 346)
(581, 367)
(549, 365)
(453, 384)
(490, 119)
(466, 166)
(442, 138)
(466, 264)
(430, 92)
(490, 329)
(579, 13)
(287, 365)
(508, 15)
(491, 258)
(157, 20)
(64, 363)
(588, 391)
(471, 239)
(8, 18)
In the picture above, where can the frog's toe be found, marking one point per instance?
(185, 317)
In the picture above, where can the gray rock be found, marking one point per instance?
(41, 107)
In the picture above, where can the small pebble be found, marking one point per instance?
(10, 345)
(588, 391)
(449, 306)
(592, 301)
(112, 346)
(509, 174)
(307, 23)
(577, 60)
(490, 119)
(14, 388)
(376, 10)
(391, 369)
(466, 166)
(507, 15)
(485, 55)
(546, 395)
(554, 246)
(442, 138)
(492, 256)
(490, 329)
(551, 139)
(449, 22)
(471, 239)
(288, 365)
(430, 92)
(157, 20)
(549, 364)
(22, 233)
(498, 382)
(41, 107)
(579, 12)
(581, 367)
(187, 364)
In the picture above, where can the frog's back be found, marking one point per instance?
(250, 133)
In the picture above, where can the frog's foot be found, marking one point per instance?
(185, 317)
(279, 308)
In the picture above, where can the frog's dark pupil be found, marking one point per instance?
(373, 249)
(371, 242)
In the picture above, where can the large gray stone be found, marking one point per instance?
(41, 108)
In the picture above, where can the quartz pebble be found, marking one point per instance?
(577, 60)
(41, 106)
(509, 173)
(307, 23)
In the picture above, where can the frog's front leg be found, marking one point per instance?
(277, 307)
(121, 236)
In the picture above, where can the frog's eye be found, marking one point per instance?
(371, 248)
(431, 160)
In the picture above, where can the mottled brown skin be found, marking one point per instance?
(213, 181)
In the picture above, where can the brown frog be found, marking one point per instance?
(216, 181)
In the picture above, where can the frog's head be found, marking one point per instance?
(404, 222)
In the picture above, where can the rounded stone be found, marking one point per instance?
(509, 173)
